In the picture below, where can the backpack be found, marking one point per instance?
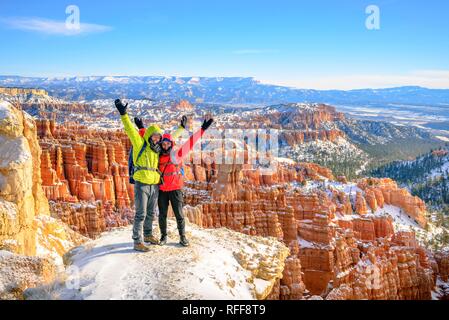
(131, 167)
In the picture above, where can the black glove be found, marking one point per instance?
(139, 123)
(207, 124)
(120, 107)
(183, 122)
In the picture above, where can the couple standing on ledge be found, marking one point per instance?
(156, 171)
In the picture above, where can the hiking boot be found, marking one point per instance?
(184, 242)
(163, 241)
(141, 247)
(151, 239)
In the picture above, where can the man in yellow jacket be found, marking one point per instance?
(145, 156)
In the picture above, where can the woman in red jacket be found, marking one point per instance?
(172, 180)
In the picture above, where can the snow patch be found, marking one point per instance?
(109, 268)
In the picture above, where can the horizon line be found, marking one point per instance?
(224, 77)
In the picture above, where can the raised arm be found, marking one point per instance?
(177, 133)
(188, 145)
(182, 126)
(193, 139)
(130, 130)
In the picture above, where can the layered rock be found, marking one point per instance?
(86, 166)
(21, 194)
(293, 138)
(18, 91)
(360, 204)
(413, 206)
(442, 259)
(332, 245)
(31, 242)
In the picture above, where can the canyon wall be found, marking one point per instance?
(386, 191)
(31, 242)
(85, 176)
(18, 91)
(21, 194)
(339, 248)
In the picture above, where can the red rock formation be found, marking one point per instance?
(184, 105)
(293, 138)
(383, 226)
(371, 200)
(342, 202)
(385, 273)
(333, 252)
(440, 153)
(292, 286)
(316, 172)
(86, 165)
(413, 206)
(364, 228)
(360, 204)
(333, 246)
(43, 129)
(442, 258)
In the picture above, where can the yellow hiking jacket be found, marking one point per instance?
(149, 159)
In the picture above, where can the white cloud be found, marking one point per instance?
(436, 79)
(52, 27)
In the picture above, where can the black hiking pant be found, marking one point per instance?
(175, 198)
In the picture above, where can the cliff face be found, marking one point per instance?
(298, 123)
(386, 191)
(18, 91)
(21, 195)
(26, 229)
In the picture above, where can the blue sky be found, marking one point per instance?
(302, 43)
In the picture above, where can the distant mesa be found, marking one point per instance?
(16, 91)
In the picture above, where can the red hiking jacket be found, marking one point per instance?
(170, 165)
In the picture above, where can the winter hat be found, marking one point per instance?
(167, 137)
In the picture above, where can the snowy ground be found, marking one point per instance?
(211, 268)
(327, 151)
(437, 290)
(438, 172)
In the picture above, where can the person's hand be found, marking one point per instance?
(139, 122)
(207, 123)
(120, 107)
(183, 122)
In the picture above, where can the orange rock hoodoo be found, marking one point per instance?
(85, 172)
(442, 259)
(386, 191)
(336, 251)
